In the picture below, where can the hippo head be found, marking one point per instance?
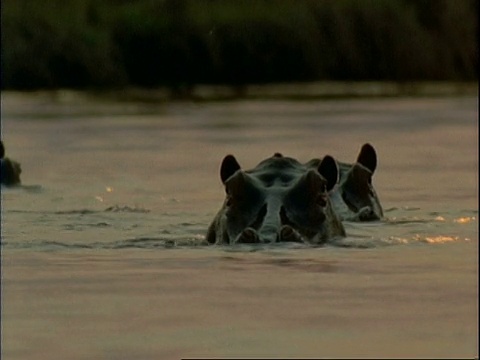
(279, 200)
(360, 201)
(9, 170)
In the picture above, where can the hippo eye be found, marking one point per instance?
(320, 200)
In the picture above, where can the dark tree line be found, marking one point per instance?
(180, 43)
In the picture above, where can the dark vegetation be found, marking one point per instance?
(179, 43)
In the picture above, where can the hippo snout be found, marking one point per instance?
(269, 233)
(286, 233)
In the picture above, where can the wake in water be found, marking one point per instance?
(106, 229)
(411, 226)
(114, 209)
(124, 226)
(27, 188)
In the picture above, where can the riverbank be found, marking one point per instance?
(288, 91)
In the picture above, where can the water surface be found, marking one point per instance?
(102, 246)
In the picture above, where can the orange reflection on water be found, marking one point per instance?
(464, 220)
(440, 239)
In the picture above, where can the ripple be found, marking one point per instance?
(157, 242)
(126, 208)
(84, 211)
(359, 243)
(414, 220)
(76, 212)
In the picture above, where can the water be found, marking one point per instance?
(102, 246)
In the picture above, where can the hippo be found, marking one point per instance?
(280, 200)
(9, 170)
(354, 197)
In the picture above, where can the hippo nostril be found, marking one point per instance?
(373, 216)
(367, 214)
(249, 233)
(288, 234)
(248, 236)
(286, 231)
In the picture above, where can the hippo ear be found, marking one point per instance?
(368, 157)
(359, 179)
(329, 170)
(228, 168)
